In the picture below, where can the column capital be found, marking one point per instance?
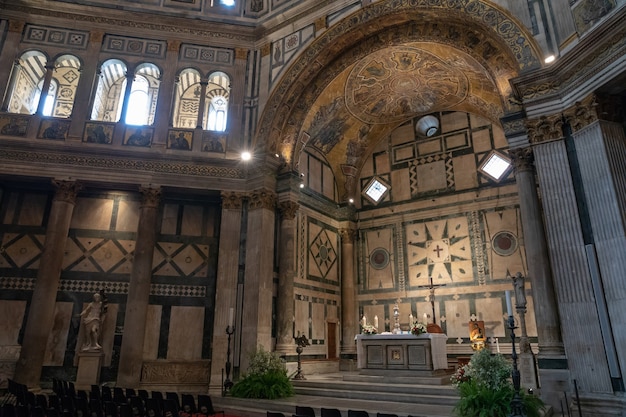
(232, 200)
(347, 235)
(523, 159)
(16, 25)
(241, 53)
(66, 190)
(545, 128)
(173, 45)
(582, 113)
(96, 36)
(151, 197)
(266, 49)
(262, 199)
(288, 209)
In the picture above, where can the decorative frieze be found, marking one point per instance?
(44, 35)
(134, 46)
(168, 372)
(206, 54)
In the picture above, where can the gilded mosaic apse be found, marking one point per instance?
(388, 63)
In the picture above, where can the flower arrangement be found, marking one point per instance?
(418, 328)
(369, 329)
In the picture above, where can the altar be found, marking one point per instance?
(421, 355)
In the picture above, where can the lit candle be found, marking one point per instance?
(376, 321)
(425, 317)
(411, 319)
(231, 316)
(509, 307)
(364, 321)
(497, 345)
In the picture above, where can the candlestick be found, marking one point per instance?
(363, 321)
(509, 306)
(376, 322)
(411, 319)
(497, 345)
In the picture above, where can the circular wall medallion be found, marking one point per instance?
(504, 243)
(379, 258)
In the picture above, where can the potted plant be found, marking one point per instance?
(418, 328)
(266, 377)
(487, 391)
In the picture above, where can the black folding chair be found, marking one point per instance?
(330, 412)
(305, 411)
(204, 401)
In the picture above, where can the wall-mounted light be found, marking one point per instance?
(246, 156)
(549, 59)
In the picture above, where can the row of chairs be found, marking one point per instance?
(66, 401)
(303, 411)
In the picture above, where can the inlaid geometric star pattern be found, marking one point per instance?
(322, 253)
(439, 249)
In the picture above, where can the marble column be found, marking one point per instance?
(226, 287)
(41, 310)
(256, 321)
(167, 89)
(349, 314)
(89, 72)
(540, 274)
(286, 272)
(47, 79)
(131, 353)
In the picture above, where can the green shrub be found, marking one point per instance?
(266, 378)
(486, 390)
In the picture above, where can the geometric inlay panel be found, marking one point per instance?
(44, 35)
(206, 54)
(323, 252)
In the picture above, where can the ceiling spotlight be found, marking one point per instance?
(549, 59)
(246, 156)
(427, 126)
(351, 200)
(301, 185)
(277, 155)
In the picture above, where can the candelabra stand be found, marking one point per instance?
(228, 384)
(517, 406)
(301, 342)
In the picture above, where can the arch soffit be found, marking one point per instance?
(386, 24)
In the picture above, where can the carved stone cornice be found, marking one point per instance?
(347, 235)
(66, 190)
(150, 196)
(288, 209)
(232, 200)
(262, 199)
(545, 128)
(523, 159)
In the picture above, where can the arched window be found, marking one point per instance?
(216, 108)
(143, 97)
(138, 102)
(107, 104)
(187, 99)
(65, 78)
(26, 81)
(50, 99)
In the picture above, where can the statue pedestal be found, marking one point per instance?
(528, 370)
(89, 364)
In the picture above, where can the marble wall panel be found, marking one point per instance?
(32, 209)
(382, 163)
(152, 332)
(192, 220)
(332, 311)
(318, 321)
(12, 313)
(503, 232)
(424, 307)
(481, 140)
(127, 216)
(453, 121)
(376, 310)
(315, 175)
(170, 219)
(431, 176)
(328, 186)
(478, 121)
(185, 333)
(465, 172)
(57, 339)
(492, 311)
(402, 134)
(302, 317)
(400, 185)
(457, 317)
(92, 213)
(380, 271)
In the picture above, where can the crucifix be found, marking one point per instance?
(431, 297)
